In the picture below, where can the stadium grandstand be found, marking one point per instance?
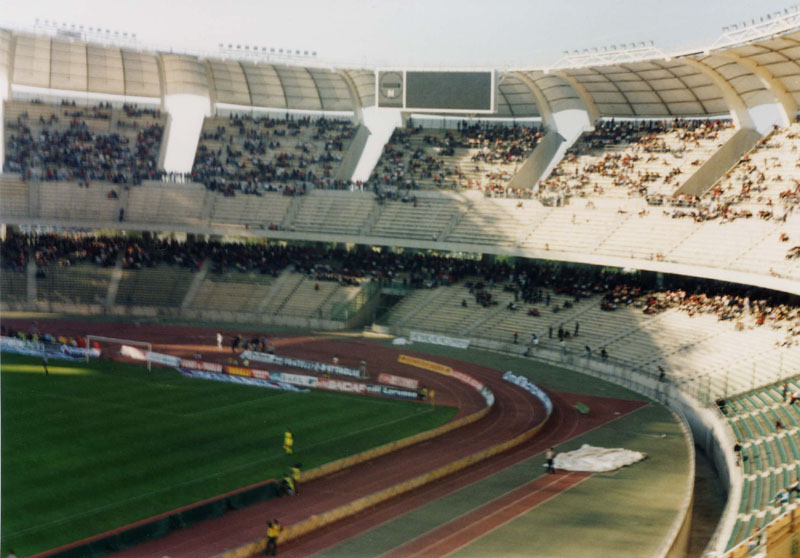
(655, 246)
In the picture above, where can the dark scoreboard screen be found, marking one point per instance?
(431, 91)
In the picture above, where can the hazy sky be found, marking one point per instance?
(466, 33)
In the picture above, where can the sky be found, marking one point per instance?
(410, 33)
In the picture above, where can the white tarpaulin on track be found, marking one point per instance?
(596, 460)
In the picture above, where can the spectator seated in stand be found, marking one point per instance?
(67, 148)
(250, 155)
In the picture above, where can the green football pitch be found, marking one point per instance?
(94, 446)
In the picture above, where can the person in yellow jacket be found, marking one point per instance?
(288, 441)
(273, 532)
(295, 472)
(287, 484)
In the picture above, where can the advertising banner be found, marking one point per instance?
(302, 364)
(529, 386)
(12, 343)
(200, 365)
(158, 358)
(239, 380)
(467, 379)
(167, 360)
(29, 348)
(387, 391)
(295, 379)
(439, 340)
(81, 352)
(341, 385)
(240, 371)
(447, 371)
(398, 381)
(425, 364)
(488, 396)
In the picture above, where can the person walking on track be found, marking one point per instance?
(551, 456)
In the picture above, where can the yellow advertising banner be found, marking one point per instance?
(240, 371)
(426, 364)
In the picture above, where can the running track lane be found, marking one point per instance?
(565, 424)
(515, 411)
(461, 531)
(248, 524)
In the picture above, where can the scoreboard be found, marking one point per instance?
(436, 91)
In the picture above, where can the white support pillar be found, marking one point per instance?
(380, 123)
(786, 102)
(591, 108)
(739, 113)
(541, 101)
(185, 122)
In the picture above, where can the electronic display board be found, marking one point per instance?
(436, 91)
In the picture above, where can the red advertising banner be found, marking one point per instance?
(467, 379)
(398, 381)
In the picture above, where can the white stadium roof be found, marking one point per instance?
(716, 82)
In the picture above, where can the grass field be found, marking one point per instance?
(91, 447)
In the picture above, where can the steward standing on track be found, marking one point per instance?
(273, 532)
(551, 455)
(288, 441)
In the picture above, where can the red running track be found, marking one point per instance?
(515, 412)
(455, 534)
(564, 425)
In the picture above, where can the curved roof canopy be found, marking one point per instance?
(697, 84)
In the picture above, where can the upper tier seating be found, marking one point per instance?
(624, 159)
(243, 153)
(70, 143)
(479, 156)
(765, 182)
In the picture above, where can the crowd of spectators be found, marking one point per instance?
(417, 270)
(480, 155)
(66, 148)
(526, 279)
(629, 156)
(65, 250)
(759, 184)
(251, 154)
(743, 305)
